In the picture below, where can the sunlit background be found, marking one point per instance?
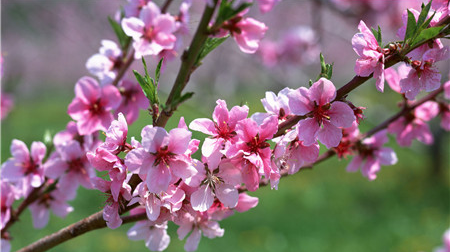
(45, 45)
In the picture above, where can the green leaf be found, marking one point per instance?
(227, 12)
(411, 26)
(182, 99)
(124, 40)
(377, 35)
(209, 45)
(326, 70)
(423, 14)
(148, 85)
(158, 71)
(426, 34)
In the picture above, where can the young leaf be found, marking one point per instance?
(326, 70)
(158, 71)
(227, 12)
(146, 87)
(410, 26)
(427, 34)
(209, 45)
(377, 35)
(124, 40)
(181, 99)
(423, 14)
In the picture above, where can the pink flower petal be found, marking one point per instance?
(202, 199)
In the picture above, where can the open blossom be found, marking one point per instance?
(7, 197)
(105, 156)
(371, 55)
(112, 207)
(414, 125)
(393, 77)
(290, 153)
(152, 32)
(195, 224)
(171, 199)
(247, 32)
(372, 155)
(87, 142)
(71, 167)
(105, 64)
(133, 7)
(133, 100)
(275, 105)
(324, 117)
(221, 129)
(266, 5)
(218, 183)
(55, 201)
(424, 74)
(162, 157)
(92, 105)
(251, 153)
(155, 235)
(25, 166)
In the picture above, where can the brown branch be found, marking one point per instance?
(403, 112)
(357, 81)
(124, 68)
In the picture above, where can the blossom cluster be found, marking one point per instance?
(168, 176)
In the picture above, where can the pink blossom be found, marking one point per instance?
(221, 129)
(105, 64)
(172, 200)
(152, 32)
(447, 89)
(40, 209)
(445, 114)
(196, 223)
(6, 104)
(134, 7)
(113, 203)
(371, 55)
(218, 183)
(277, 105)
(251, 152)
(372, 155)
(350, 137)
(92, 105)
(25, 166)
(246, 202)
(105, 156)
(88, 142)
(7, 197)
(394, 77)
(446, 241)
(155, 235)
(324, 119)
(71, 167)
(424, 75)
(266, 5)
(414, 126)
(247, 32)
(162, 157)
(133, 100)
(299, 45)
(292, 154)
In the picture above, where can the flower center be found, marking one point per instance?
(320, 113)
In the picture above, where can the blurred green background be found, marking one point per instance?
(45, 45)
